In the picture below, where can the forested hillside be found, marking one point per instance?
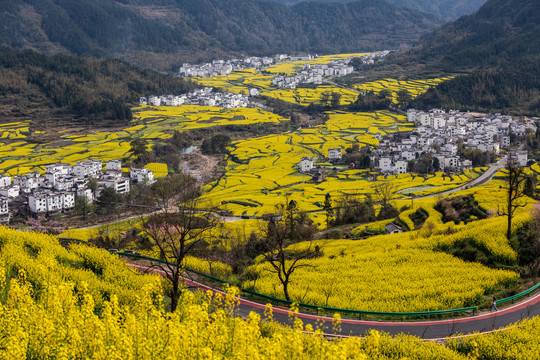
(39, 87)
(500, 48)
(445, 9)
(164, 33)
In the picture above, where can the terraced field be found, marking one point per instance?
(414, 87)
(21, 156)
(261, 172)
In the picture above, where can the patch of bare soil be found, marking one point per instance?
(205, 165)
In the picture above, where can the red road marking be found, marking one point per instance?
(535, 299)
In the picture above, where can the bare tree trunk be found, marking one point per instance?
(286, 290)
(175, 296)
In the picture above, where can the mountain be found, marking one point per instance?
(164, 33)
(73, 89)
(498, 47)
(445, 9)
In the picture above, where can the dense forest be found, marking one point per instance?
(164, 33)
(498, 48)
(445, 9)
(44, 87)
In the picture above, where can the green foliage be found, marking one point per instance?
(108, 201)
(162, 33)
(500, 43)
(371, 101)
(216, 145)
(87, 89)
(446, 9)
(460, 208)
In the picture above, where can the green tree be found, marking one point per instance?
(108, 201)
(385, 94)
(335, 99)
(139, 148)
(83, 206)
(436, 164)
(92, 185)
(328, 209)
(326, 98)
(403, 98)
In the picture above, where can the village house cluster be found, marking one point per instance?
(314, 74)
(225, 67)
(203, 97)
(56, 189)
(438, 133)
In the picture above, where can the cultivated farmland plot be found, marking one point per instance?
(262, 173)
(21, 156)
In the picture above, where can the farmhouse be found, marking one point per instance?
(392, 229)
(306, 164)
(334, 154)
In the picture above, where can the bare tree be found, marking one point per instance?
(178, 235)
(283, 259)
(515, 183)
(383, 193)
(165, 191)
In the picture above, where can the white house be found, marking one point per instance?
(45, 202)
(37, 203)
(90, 167)
(154, 101)
(408, 154)
(68, 201)
(253, 91)
(141, 175)
(385, 164)
(86, 193)
(522, 158)
(114, 165)
(5, 181)
(55, 202)
(392, 229)
(29, 181)
(451, 162)
(4, 209)
(62, 169)
(334, 154)
(306, 164)
(120, 185)
(400, 167)
(11, 191)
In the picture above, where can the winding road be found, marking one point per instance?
(428, 330)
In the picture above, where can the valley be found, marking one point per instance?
(269, 179)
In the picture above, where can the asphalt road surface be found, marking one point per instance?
(426, 329)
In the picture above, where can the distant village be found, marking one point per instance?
(203, 97)
(314, 74)
(310, 74)
(438, 133)
(56, 190)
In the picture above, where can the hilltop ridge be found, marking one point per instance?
(163, 33)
